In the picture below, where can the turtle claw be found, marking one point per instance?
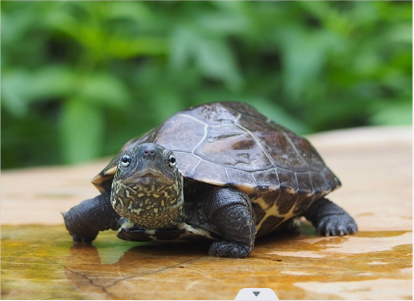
(337, 226)
(330, 219)
(352, 228)
(228, 249)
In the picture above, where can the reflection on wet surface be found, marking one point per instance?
(41, 262)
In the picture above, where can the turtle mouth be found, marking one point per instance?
(149, 177)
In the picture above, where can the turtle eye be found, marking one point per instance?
(172, 161)
(125, 161)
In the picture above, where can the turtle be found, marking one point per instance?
(220, 172)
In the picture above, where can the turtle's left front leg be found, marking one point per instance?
(231, 211)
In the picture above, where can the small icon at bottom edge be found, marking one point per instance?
(261, 294)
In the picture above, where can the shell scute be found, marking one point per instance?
(275, 143)
(186, 162)
(232, 147)
(213, 114)
(305, 183)
(236, 177)
(332, 181)
(181, 132)
(319, 184)
(306, 152)
(212, 173)
(267, 178)
(287, 179)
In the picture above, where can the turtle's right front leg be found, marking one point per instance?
(84, 221)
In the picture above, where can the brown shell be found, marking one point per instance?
(232, 144)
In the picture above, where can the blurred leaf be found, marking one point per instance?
(213, 56)
(13, 93)
(122, 48)
(397, 113)
(216, 61)
(135, 11)
(165, 105)
(18, 23)
(183, 41)
(48, 81)
(304, 53)
(110, 42)
(104, 89)
(75, 71)
(29, 140)
(61, 20)
(52, 81)
(223, 23)
(401, 33)
(82, 126)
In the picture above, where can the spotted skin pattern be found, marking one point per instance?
(150, 207)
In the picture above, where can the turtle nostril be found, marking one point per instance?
(149, 153)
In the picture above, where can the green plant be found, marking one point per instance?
(81, 78)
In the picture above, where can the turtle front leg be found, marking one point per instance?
(330, 219)
(230, 211)
(84, 221)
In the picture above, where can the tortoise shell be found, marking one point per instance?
(232, 144)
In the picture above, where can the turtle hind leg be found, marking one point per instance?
(230, 211)
(330, 219)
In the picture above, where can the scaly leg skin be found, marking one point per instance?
(330, 219)
(84, 221)
(231, 212)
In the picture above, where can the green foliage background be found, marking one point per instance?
(79, 79)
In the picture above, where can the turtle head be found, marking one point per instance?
(147, 188)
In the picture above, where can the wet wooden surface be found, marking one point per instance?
(39, 260)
